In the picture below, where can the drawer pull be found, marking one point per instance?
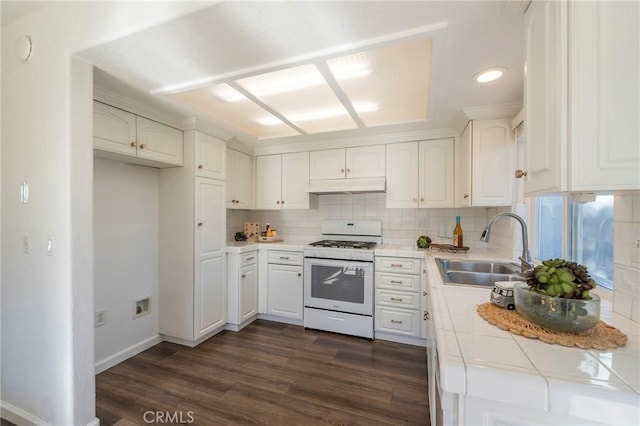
(250, 258)
(284, 257)
(395, 282)
(396, 265)
(396, 299)
(396, 322)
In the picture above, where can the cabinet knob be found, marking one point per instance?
(143, 146)
(282, 202)
(520, 174)
(134, 144)
(424, 293)
(415, 200)
(426, 315)
(243, 276)
(199, 224)
(348, 170)
(278, 202)
(299, 274)
(199, 166)
(341, 170)
(465, 195)
(421, 198)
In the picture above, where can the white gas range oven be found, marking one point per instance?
(338, 277)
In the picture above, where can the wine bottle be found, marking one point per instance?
(457, 233)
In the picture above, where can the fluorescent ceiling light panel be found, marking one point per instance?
(397, 83)
(241, 115)
(227, 93)
(283, 81)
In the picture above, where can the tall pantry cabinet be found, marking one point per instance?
(193, 292)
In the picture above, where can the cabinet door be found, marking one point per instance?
(248, 292)
(295, 177)
(546, 97)
(158, 142)
(211, 156)
(210, 295)
(114, 130)
(327, 164)
(285, 291)
(402, 175)
(492, 156)
(239, 180)
(605, 105)
(365, 161)
(210, 218)
(463, 167)
(268, 182)
(437, 173)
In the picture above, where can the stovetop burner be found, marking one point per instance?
(364, 245)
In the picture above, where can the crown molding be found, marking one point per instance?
(346, 142)
(126, 103)
(488, 112)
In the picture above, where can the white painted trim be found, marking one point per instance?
(18, 416)
(517, 120)
(127, 353)
(126, 103)
(238, 327)
(191, 343)
(488, 112)
(358, 141)
(284, 320)
(414, 341)
(94, 422)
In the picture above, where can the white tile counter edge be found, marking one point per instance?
(472, 362)
(239, 247)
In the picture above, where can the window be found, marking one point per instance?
(577, 229)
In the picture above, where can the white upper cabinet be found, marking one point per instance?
(437, 175)
(420, 174)
(210, 156)
(239, 180)
(402, 175)
(485, 164)
(358, 162)
(604, 80)
(122, 135)
(281, 181)
(582, 96)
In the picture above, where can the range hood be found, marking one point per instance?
(347, 186)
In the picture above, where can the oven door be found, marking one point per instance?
(339, 285)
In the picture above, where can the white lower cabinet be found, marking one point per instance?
(242, 289)
(400, 299)
(285, 291)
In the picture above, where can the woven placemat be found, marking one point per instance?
(601, 336)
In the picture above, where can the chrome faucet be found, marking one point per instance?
(525, 259)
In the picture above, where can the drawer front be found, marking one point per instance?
(398, 282)
(398, 299)
(398, 264)
(248, 258)
(285, 257)
(397, 321)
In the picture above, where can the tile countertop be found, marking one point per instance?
(478, 359)
(245, 246)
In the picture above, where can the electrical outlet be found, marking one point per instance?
(100, 318)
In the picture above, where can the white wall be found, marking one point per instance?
(125, 228)
(47, 312)
(626, 255)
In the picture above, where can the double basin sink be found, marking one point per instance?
(476, 272)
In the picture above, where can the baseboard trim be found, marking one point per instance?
(126, 353)
(18, 416)
(284, 320)
(238, 327)
(414, 341)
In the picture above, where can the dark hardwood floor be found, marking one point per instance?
(269, 374)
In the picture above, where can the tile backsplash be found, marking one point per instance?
(399, 226)
(626, 255)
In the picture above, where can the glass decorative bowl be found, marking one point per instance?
(556, 313)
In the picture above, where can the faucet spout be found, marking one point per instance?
(525, 259)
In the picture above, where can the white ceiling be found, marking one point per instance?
(233, 40)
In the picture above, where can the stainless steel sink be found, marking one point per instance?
(477, 273)
(479, 266)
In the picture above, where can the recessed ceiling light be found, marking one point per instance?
(489, 75)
